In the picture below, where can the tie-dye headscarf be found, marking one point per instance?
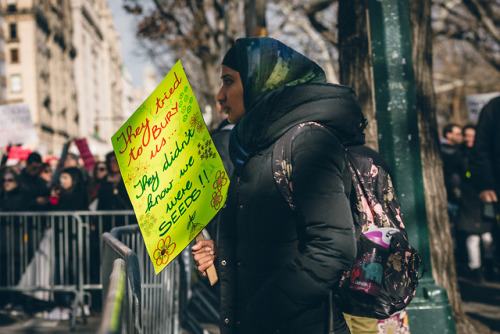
(265, 64)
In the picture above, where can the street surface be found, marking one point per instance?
(481, 302)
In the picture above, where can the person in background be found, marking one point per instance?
(52, 161)
(98, 175)
(474, 232)
(70, 195)
(485, 169)
(453, 168)
(112, 194)
(73, 160)
(469, 134)
(277, 266)
(46, 172)
(12, 196)
(34, 185)
(220, 138)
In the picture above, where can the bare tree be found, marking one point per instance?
(355, 71)
(292, 25)
(467, 49)
(196, 31)
(473, 21)
(355, 61)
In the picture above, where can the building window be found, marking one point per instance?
(13, 30)
(14, 56)
(16, 85)
(11, 5)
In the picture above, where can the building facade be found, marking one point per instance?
(63, 59)
(39, 66)
(99, 75)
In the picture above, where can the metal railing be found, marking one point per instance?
(51, 255)
(117, 293)
(151, 304)
(70, 256)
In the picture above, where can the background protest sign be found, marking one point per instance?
(173, 174)
(16, 126)
(475, 102)
(85, 154)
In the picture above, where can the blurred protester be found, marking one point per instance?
(71, 160)
(34, 185)
(46, 172)
(12, 196)
(452, 169)
(474, 232)
(469, 134)
(71, 194)
(98, 175)
(52, 160)
(220, 138)
(112, 193)
(485, 169)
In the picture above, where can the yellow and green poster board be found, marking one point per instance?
(173, 174)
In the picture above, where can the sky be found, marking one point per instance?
(124, 25)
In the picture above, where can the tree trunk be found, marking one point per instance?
(355, 70)
(355, 61)
(440, 240)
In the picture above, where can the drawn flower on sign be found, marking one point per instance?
(220, 179)
(216, 200)
(163, 250)
(199, 127)
(194, 121)
(205, 150)
(147, 223)
(137, 170)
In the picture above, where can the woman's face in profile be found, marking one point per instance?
(230, 95)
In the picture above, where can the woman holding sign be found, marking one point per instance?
(277, 266)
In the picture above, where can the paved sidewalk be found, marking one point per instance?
(39, 325)
(481, 301)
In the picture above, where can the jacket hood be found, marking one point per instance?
(334, 106)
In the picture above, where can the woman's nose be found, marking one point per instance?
(220, 96)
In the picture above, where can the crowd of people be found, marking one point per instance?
(473, 221)
(38, 184)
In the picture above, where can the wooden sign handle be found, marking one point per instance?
(211, 272)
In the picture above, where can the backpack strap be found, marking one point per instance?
(282, 162)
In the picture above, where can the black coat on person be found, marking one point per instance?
(113, 196)
(75, 198)
(277, 267)
(485, 156)
(470, 219)
(34, 186)
(14, 200)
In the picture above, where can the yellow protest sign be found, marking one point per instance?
(173, 174)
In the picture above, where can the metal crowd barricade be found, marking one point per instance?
(52, 255)
(158, 295)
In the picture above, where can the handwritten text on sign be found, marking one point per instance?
(173, 174)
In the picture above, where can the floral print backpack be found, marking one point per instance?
(373, 204)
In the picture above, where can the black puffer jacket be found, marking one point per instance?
(277, 268)
(485, 158)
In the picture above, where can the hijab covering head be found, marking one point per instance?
(265, 64)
